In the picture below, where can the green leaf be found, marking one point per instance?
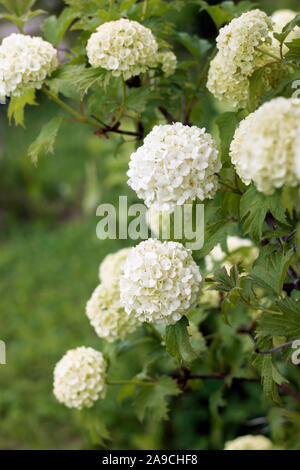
(17, 105)
(196, 46)
(226, 123)
(54, 28)
(265, 366)
(95, 426)
(254, 207)
(286, 323)
(178, 342)
(218, 15)
(213, 234)
(152, 400)
(14, 19)
(18, 7)
(293, 53)
(269, 270)
(226, 11)
(137, 98)
(256, 88)
(287, 29)
(81, 77)
(229, 283)
(44, 143)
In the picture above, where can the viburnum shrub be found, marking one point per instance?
(229, 311)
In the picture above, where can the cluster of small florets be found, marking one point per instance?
(263, 149)
(104, 308)
(249, 443)
(111, 267)
(80, 378)
(107, 314)
(175, 165)
(25, 62)
(160, 283)
(167, 61)
(238, 56)
(125, 47)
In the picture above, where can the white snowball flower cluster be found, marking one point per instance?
(160, 283)
(111, 267)
(175, 165)
(263, 148)
(80, 378)
(25, 62)
(238, 58)
(125, 47)
(167, 61)
(249, 443)
(107, 315)
(104, 308)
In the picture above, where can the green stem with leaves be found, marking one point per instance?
(79, 117)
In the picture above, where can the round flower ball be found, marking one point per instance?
(249, 443)
(175, 165)
(160, 283)
(168, 62)
(238, 57)
(111, 267)
(25, 62)
(124, 47)
(80, 378)
(263, 148)
(107, 315)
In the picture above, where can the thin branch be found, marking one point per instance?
(167, 115)
(289, 391)
(276, 348)
(131, 382)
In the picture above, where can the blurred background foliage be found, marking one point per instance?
(48, 268)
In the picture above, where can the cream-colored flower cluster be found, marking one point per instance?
(104, 309)
(175, 165)
(107, 314)
(167, 60)
(238, 57)
(80, 378)
(263, 149)
(249, 443)
(25, 62)
(111, 267)
(125, 47)
(160, 282)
